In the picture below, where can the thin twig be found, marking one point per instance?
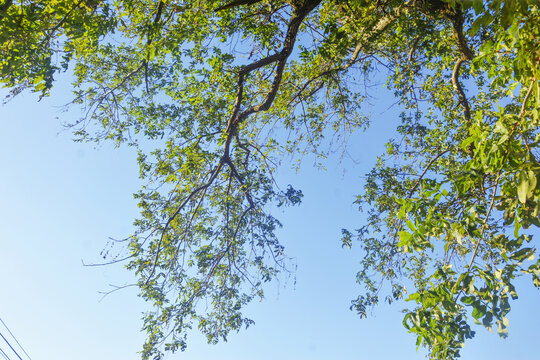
(425, 171)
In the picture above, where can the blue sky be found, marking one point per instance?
(62, 200)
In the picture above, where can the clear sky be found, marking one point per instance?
(60, 201)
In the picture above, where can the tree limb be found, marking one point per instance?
(281, 58)
(236, 3)
(457, 86)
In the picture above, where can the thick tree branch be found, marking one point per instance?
(236, 3)
(461, 94)
(413, 49)
(281, 58)
(457, 18)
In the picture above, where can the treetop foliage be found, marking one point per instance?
(225, 89)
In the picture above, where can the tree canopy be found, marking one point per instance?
(222, 90)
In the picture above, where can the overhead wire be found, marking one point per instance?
(4, 355)
(12, 349)
(13, 336)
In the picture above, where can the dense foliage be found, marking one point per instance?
(223, 89)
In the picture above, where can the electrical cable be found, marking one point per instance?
(13, 336)
(11, 346)
(4, 355)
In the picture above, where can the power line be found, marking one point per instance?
(13, 336)
(10, 346)
(4, 355)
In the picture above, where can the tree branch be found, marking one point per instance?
(281, 58)
(237, 117)
(377, 29)
(236, 3)
(457, 86)
(425, 171)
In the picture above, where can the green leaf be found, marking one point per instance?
(488, 320)
(502, 327)
(479, 311)
(415, 296)
(526, 185)
(523, 254)
(404, 238)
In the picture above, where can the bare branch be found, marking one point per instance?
(413, 48)
(115, 289)
(108, 262)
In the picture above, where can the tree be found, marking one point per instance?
(222, 89)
